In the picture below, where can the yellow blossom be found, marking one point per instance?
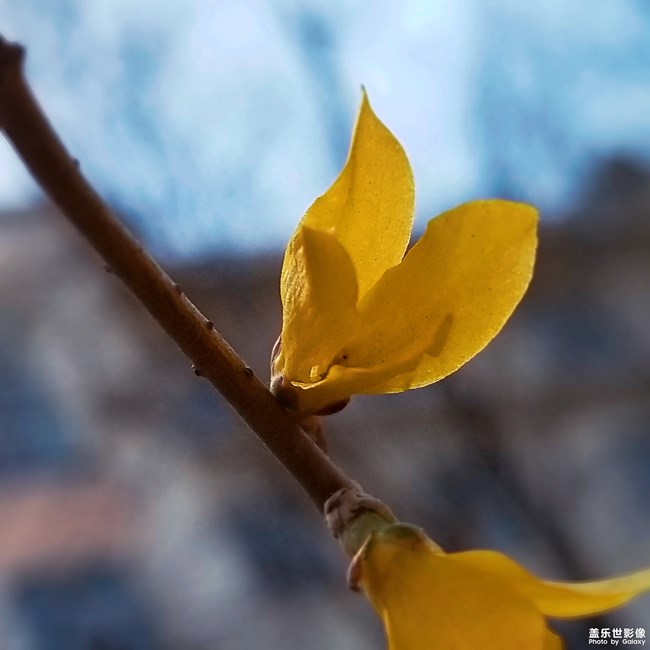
(360, 315)
(474, 600)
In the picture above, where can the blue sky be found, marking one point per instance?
(214, 125)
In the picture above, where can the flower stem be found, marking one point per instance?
(58, 174)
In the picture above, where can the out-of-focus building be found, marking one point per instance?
(137, 512)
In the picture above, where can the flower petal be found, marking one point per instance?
(430, 603)
(341, 382)
(559, 599)
(370, 205)
(552, 641)
(449, 297)
(319, 296)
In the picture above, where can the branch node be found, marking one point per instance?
(352, 514)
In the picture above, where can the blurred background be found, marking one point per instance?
(136, 512)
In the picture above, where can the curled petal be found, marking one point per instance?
(341, 380)
(319, 296)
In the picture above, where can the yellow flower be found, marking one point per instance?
(360, 316)
(475, 600)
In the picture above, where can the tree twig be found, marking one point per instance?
(58, 174)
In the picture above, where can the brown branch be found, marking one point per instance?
(58, 174)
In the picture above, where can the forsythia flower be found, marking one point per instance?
(474, 600)
(360, 316)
